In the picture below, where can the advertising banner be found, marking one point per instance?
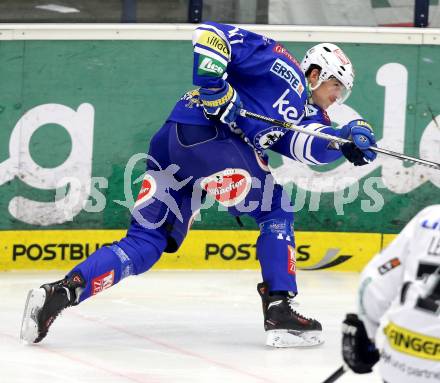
(203, 249)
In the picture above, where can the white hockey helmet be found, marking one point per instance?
(333, 63)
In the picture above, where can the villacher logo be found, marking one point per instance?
(234, 186)
(219, 44)
(229, 187)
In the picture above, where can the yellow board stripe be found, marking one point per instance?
(202, 249)
(412, 343)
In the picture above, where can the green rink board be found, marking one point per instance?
(133, 85)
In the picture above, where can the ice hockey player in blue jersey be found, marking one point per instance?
(206, 149)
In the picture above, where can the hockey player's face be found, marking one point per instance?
(327, 93)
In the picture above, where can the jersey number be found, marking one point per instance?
(431, 302)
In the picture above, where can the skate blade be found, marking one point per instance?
(284, 338)
(34, 303)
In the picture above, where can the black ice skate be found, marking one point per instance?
(284, 326)
(43, 305)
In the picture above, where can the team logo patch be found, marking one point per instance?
(388, 266)
(229, 187)
(311, 110)
(147, 191)
(291, 260)
(103, 282)
(193, 99)
(267, 137)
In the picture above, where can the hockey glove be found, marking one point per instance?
(222, 104)
(361, 133)
(358, 351)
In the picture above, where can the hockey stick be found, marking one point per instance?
(336, 375)
(338, 140)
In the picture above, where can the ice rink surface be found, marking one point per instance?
(174, 326)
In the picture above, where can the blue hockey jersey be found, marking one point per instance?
(269, 81)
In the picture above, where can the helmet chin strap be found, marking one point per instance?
(311, 88)
(318, 84)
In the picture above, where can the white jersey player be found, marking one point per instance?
(399, 305)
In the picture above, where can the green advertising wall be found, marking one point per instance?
(131, 87)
